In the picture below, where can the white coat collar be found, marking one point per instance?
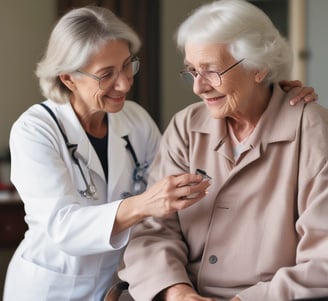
(117, 154)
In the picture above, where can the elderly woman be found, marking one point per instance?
(77, 161)
(261, 232)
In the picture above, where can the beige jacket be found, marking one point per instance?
(262, 231)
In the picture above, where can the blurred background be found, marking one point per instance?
(26, 25)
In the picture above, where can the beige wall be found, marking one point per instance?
(175, 94)
(24, 30)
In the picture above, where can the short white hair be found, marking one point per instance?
(75, 37)
(247, 32)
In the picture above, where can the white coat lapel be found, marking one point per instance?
(76, 134)
(117, 154)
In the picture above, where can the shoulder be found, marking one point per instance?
(37, 124)
(194, 109)
(315, 112)
(315, 117)
(34, 116)
(314, 137)
(195, 118)
(192, 113)
(34, 127)
(315, 122)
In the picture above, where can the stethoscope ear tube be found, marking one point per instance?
(90, 190)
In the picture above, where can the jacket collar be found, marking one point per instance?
(279, 122)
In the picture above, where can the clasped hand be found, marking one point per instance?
(184, 292)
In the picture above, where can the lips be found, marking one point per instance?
(117, 99)
(214, 100)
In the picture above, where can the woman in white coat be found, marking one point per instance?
(79, 163)
(82, 179)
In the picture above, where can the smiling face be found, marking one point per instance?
(87, 98)
(238, 93)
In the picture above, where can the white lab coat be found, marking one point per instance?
(68, 252)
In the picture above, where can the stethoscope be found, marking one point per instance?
(138, 175)
(90, 189)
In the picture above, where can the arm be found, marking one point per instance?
(43, 173)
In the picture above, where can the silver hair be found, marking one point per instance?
(246, 31)
(75, 37)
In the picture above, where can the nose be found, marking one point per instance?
(123, 82)
(200, 85)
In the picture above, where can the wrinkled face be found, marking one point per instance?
(233, 96)
(112, 65)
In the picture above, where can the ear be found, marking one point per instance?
(68, 81)
(260, 75)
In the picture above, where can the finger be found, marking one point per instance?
(307, 93)
(187, 179)
(311, 97)
(192, 191)
(288, 85)
(295, 83)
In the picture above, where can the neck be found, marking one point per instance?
(96, 125)
(244, 123)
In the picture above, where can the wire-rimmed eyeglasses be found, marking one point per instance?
(214, 78)
(129, 69)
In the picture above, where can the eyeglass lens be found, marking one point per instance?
(210, 77)
(129, 70)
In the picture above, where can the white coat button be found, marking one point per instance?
(212, 259)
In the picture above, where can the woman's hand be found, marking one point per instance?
(304, 93)
(181, 292)
(164, 198)
(173, 193)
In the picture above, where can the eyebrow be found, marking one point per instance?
(202, 66)
(113, 67)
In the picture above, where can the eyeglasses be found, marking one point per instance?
(214, 78)
(129, 69)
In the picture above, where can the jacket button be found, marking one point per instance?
(213, 259)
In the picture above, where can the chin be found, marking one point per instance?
(114, 107)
